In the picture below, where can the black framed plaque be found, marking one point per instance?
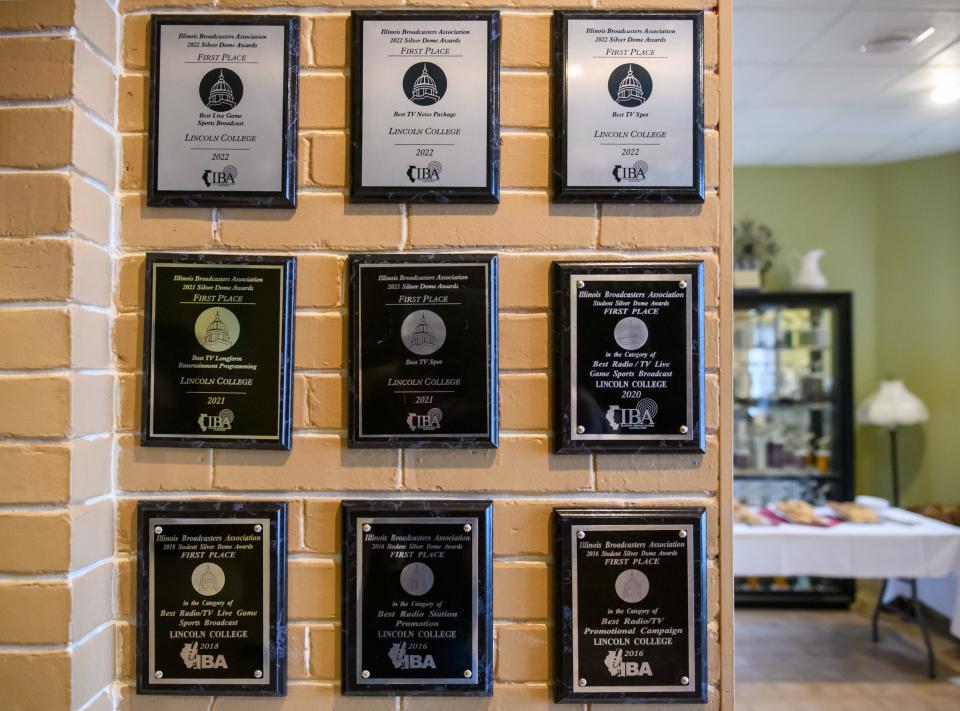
(426, 106)
(630, 605)
(628, 97)
(218, 351)
(423, 350)
(212, 598)
(628, 337)
(417, 601)
(223, 110)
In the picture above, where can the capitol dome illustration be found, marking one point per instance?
(630, 89)
(217, 332)
(425, 88)
(221, 94)
(423, 335)
(208, 581)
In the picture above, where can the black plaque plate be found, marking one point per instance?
(628, 339)
(223, 110)
(628, 97)
(212, 598)
(425, 87)
(417, 616)
(630, 602)
(217, 351)
(423, 350)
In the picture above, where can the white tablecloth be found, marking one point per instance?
(912, 547)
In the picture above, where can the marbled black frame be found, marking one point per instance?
(490, 193)
(564, 441)
(671, 194)
(408, 440)
(277, 513)
(286, 196)
(285, 396)
(563, 520)
(436, 508)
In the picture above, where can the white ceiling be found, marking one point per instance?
(804, 94)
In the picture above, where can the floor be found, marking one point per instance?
(800, 660)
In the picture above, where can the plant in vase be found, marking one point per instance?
(754, 250)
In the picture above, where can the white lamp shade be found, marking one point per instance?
(892, 405)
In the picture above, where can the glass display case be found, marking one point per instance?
(793, 420)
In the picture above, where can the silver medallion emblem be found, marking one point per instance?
(416, 579)
(632, 585)
(630, 333)
(208, 579)
(423, 332)
(217, 329)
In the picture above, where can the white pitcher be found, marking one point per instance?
(805, 273)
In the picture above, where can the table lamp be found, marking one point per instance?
(892, 406)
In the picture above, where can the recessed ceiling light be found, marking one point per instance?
(897, 42)
(946, 93)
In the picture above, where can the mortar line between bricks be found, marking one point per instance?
(331, 496)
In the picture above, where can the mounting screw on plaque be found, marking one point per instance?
(581, 429)
(467, 673)
(467, 527)
(258, 674)
(258, 528)
(366, 528)
(683, 429)
(581, 284)
(684, 680)
(158, 674)
(365, 673)
(683, 534)
(158, 529)
(682, 284)
(581, 534)
(583, 682)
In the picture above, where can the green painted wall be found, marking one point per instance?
(892, 237)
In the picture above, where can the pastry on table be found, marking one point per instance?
(854, 513)
(744, 514)
(797, 511)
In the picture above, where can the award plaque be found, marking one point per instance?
(630, 605)
(217, 351)
(212, 598)
(417, 606)
(426, 107)
(628, 338)
(628, 92)
(223, 110)
(423, 350)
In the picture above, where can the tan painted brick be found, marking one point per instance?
(526, 40)
(299, 401)
(524, 401)
(97, 21)
(92, 274)
(655, 4)
(506, 697)
(303, 161)
(323, 101)
(36, 67)
(133, 174)
(33, 15)
(320, 341)
(329, 40)
(295, 526)
(319, 280)
(711, 39)
(501, 3)
(93, 526)
(127, 657)
(524, 341)
(35, 269)
(91, 404)
(325, 652)
(304, 696)
(326, 402)
(711, 402)
(129, 388)
(128, 5)
(41, 680)
(94, 83)
(34, 473)
(161, 468)
(91, 598)
(328, 159)
(660, 472)
(126, 525)
(525, 160)
(711, 331)
(92, 665)
(44, 409)
(525, 99)
(128, 341)
(661, 226)
(91, 467)
(43, 541)
(711, 100)
(135, 44)
(94, 150)
(132, 95)
(36, 138)
(523, 653)
(521, 219)
(34, 203)
(313, 592)
(297, 652)
(93, 209)
(521, 591)
(322, 221)
(316, 463)
(90, 339)
(34, 338)
(524, 280)
(127, 588)
(521, 527)
(130, 281)
(143, 227)
(35, 612)
(321, 529)
(711, 159)
(496, 469)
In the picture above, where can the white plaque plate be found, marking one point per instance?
(223, 110)
(630, 102)
(425, 88)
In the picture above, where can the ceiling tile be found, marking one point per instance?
(814, 86)
(937, 139)
(900, 4)
(776, 36)
(790, 4)
(916, 87)
(950, 57)
(748, 79)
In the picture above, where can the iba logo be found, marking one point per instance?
(429, 174)
(401, 660)
(428, 422)
(632, 418)
(193, 660)
(220, 178)
(216, 423)
(617, 667)
(631, 173)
